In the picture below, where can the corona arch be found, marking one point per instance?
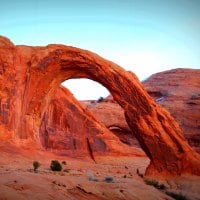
(38, 71)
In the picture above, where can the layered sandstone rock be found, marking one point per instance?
(178, 91)
(33, 74)
(70, 128)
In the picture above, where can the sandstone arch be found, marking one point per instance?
(38, 71)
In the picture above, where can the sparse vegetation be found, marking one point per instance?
(177, 196)
(156, 184)
(151, 182)
(55, 165)
(100, 99)
(109, 179)
(36, 165)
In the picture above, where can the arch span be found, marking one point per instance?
(44, 68)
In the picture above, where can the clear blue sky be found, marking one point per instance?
(144, 36)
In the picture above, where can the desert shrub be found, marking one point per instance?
(55, 165)
(64, 162)
(36, 165)
(151, 182)
(100, 99)
(155, 184)
(177, 196)
(109, 179)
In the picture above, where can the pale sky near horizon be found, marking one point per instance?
(144, 36)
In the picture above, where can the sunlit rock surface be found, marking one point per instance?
(179, 92)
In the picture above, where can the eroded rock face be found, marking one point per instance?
(72, 129)
(179, 92)
(112, 115)
(34, 73)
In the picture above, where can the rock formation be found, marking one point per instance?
(72, 130)
(178, 91)
(32, 74)
(112, 115)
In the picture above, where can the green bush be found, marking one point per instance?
(100, 99)
(55, 165)
(36, 165)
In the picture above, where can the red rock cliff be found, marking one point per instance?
(178, 91)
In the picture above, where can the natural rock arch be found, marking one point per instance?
(44, 68)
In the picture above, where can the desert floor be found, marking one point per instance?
(82, 178)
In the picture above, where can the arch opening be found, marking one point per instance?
(86, 89)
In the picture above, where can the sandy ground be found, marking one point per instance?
(81, 178)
